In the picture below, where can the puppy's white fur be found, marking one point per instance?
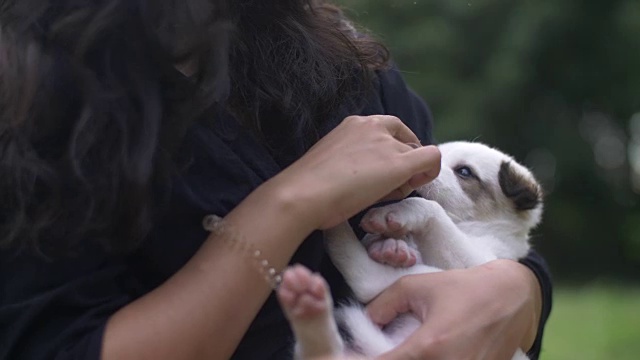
(481, 207)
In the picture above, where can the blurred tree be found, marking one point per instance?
(556, 84)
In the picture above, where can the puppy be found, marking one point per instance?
(481, 207)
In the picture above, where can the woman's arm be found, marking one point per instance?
(206, 307)
(486, 312)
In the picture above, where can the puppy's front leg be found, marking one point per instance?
(366, 277)
(439, 240)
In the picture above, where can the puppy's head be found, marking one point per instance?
(479, 183)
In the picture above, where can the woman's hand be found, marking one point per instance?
(363, 160)
(486, 312)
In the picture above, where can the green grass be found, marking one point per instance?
(594, 323)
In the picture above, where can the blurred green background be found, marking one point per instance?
(556, 83)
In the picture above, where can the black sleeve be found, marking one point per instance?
(536, 263)
(398, 100)
(57, 309)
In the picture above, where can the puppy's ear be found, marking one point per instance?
(524, 192)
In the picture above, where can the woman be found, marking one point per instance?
(124, 123)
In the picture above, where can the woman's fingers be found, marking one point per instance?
(395, 127)
(399, 193)
(399, 130)
(426, 163)
(390, 303)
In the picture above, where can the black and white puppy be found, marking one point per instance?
(481, 207)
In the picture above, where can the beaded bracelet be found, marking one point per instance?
(216, 226)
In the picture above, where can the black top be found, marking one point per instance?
(57, 309)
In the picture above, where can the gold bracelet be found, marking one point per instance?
(216, 226)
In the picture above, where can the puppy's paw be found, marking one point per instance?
(390, 220)
(402, 218)
(307, 304)
(303, 295)
(393, 252)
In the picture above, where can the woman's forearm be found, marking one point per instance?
(203, 310)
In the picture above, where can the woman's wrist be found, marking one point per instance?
(296, 197)
(276, 208)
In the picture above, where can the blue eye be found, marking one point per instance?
(464, 172)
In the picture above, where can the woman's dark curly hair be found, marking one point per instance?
(92, 107)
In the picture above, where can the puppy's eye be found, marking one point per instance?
(464, 172)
